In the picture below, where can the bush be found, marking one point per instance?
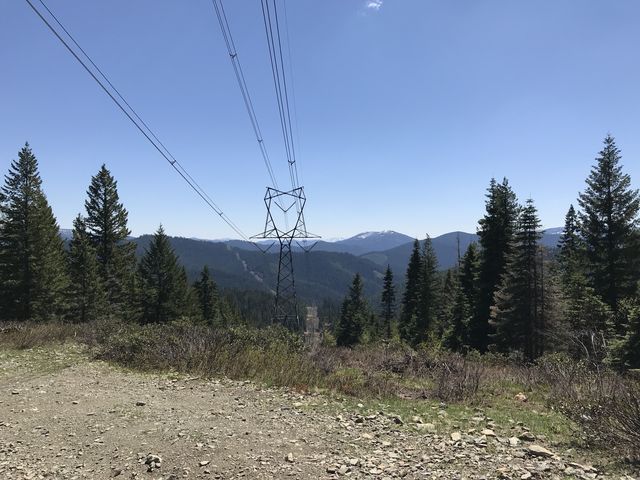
(21, 335)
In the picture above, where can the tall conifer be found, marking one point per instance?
(411, 295)
(609, 226)
(496, 238)
(106, 222)
(32, 266)
(518, 314)
(163, 283)
(353, 316)
(428, 299)
(86, 298)
(208, 299)
(388, 302)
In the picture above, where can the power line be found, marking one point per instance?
(274, 44)
(293, 83)
(237, 68)
(135, 118)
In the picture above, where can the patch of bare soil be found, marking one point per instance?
(64, 416)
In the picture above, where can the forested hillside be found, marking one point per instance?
(502, 290)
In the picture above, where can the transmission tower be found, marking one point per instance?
(278, 204)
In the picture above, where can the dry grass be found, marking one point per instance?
(22, 336)
(604, 403)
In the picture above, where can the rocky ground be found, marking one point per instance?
(64, 416)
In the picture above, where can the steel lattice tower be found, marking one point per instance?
(278, 204)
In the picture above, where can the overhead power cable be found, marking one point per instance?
(237, 69)
(278, 69)
(133, 116)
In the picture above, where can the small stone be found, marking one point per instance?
(140, 403)
(343, 470)
(586, 468)
(514, 441)
(155, 459)
(456, 436)
(354, 461)
(332, 469)
(75, 402)
(539, 451)
(416, 419)
(521, 397)
(488, 432)
(204, 463)
(527, 436)
(525, 476)
(289, 457)
(15, 392)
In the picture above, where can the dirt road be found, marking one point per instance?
(64, 416)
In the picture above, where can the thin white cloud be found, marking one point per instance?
(374, 4)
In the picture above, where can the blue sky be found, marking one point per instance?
(405, 109)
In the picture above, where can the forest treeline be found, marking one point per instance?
(507, 294)
(97, 275)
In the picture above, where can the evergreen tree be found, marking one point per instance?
(208, 299)
(353, 316)
(518, 314)
(428, 301)
(496, 238)
(469, 270)
(411, 295)
(163, 282)
(571, 246)
(106, 222)
(32, 265)
(609, 227)
(626, 348)
(455, 335)
(85, 295)
(388, 302)
(462, 295)
(447, 296)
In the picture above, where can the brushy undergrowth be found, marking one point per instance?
(604, 403)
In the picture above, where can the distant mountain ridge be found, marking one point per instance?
(326, 271)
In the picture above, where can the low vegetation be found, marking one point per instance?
(569, 402)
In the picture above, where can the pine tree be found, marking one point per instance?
(85, 295)
(428, 301)
(208, 299)
(447, 296)
(469, 270)
(518, 314)
(388, 302)
(32, 266)
(106, 222)
(496, 238)
(411, 295)
(571, 245)
(626, 347)
(455, 335)
(353, 316)
(609, 227)
(163, 282)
